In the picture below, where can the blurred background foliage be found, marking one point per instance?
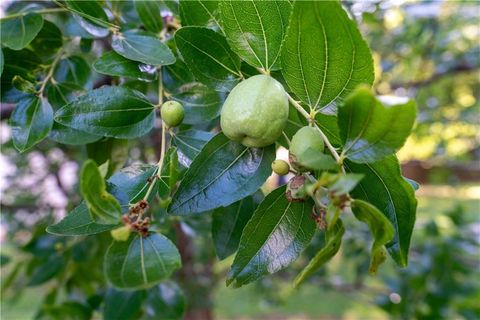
(429, 50)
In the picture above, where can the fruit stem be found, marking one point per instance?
(158, 174)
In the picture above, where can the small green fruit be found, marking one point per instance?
(121, 234)
(255, 112)
(172, 113)
(305, 138)
(280, 167)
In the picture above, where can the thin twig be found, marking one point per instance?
(41, 11)
(50, 73)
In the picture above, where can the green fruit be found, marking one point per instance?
(280, 167)
(172, 113)
(121, 234)
(255, 112)
(304, 139)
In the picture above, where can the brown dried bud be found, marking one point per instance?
(296, 189)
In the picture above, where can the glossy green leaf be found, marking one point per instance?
(227, 225)
(333, 240)
(255, 30)
(370, 129)
(103, 206)
(125, 305)
(23, 85)
(91, 16)
(113, 64)
(176, 75)
(66, 135)
(132, 181)
(324, 56)
(329, 125)
(142, 47)
(24, 63)
(140, 262)
(222, 173)
(200, 13)
(273, 238)
(116, 112)
(384, 187)
(60, 94)
(311, 158)
(190, 143)
(16, 33)
(165, 301)
(150, 14)
(209, 57)
(345, 183)
(48, 40)
(169, 175)
(77, 223)
(380, 227)
(73, 69)
(31, 122)
(201, 103)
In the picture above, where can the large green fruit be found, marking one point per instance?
(255, 112)
(304, 139)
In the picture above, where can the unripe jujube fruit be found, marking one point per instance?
(255, 112)
(304, 139)
(172, 113)
(280, 167)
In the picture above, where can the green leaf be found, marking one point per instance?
(311, 158)
(47, 270)
(103, 206)
(371, 130)
(227, 225)
(329, 126)
(140, 262)
(150, 14)
(380, 228)
(201, 103)
(333, 240)
(190, 143)
(142, 47)
(60, 94)
(384, 187)
(273, 238)
(209, 57)
(169, 175)
(78, 223)
(91, 16)
(113, 64)
(116, 112)
(24, 63)
(222, 173)
(16, 33)
(165, 301)
(2, 61)
(73, 69)
(125, 305)
(324, 56)
(200, 13)
(113, 151)
(31, 122)
(255, 30)
(132, 181)
(23, 85)
(345, 183)
(176, 75)
(48, 41)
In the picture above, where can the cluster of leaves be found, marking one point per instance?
(195, 53)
